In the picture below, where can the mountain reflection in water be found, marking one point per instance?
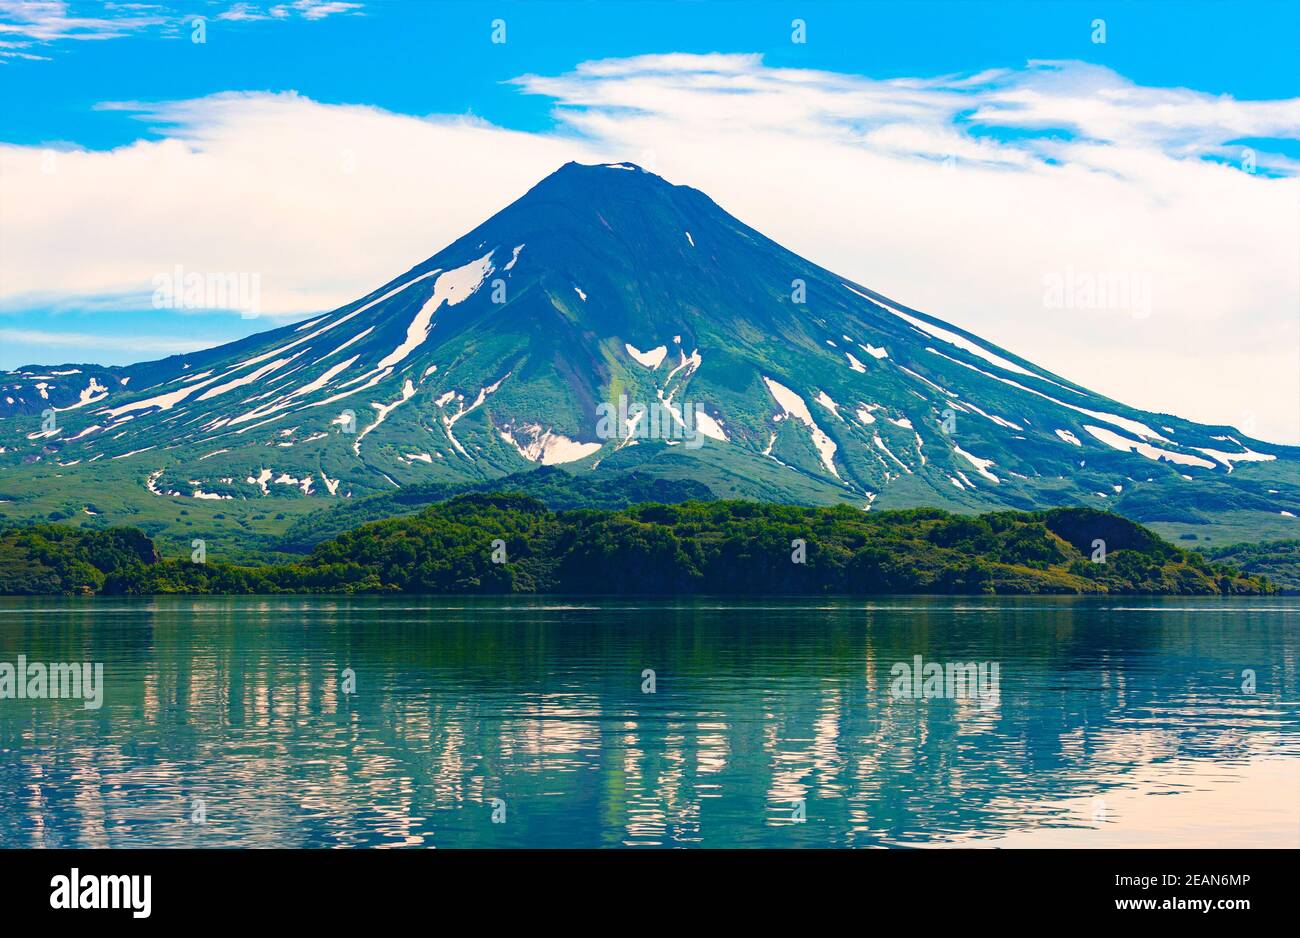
(1118, 722)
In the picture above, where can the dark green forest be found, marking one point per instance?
(513, 543)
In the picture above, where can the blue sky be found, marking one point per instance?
(428, 57)
(1070, 155)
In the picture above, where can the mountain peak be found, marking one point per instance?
(574, 165)
(587, 180)
(606, 286)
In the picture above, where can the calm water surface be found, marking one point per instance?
(1117, 722)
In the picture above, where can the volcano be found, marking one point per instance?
(710, 353)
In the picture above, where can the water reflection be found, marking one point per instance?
(238, 705)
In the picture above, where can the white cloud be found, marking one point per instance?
(1071, 168)
(323, 202)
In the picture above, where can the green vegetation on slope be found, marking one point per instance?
(503, 543)
(551, 485)
(1279, 561)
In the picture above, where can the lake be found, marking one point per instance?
(540, 722)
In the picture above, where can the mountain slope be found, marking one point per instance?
(512, 347)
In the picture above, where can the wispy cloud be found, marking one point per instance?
(319, 9)
(86, 343)
(29, 26)
(243, 12)
(307, 9)
(55, 20)
(913, 116)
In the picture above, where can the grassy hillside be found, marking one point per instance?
(504, 543)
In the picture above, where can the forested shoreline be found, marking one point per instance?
(511, 543)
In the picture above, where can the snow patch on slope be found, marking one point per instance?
(1229, 458)
(92, 394)
(690, 364)
(651, 359)
(452, 287)
(708, 426)
(537, 444)
(880, 445)
(825, 400)
(449, 420)
(981, 465)
(792, 405)
(382, 412)
(1114, 440)
(875, 351)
